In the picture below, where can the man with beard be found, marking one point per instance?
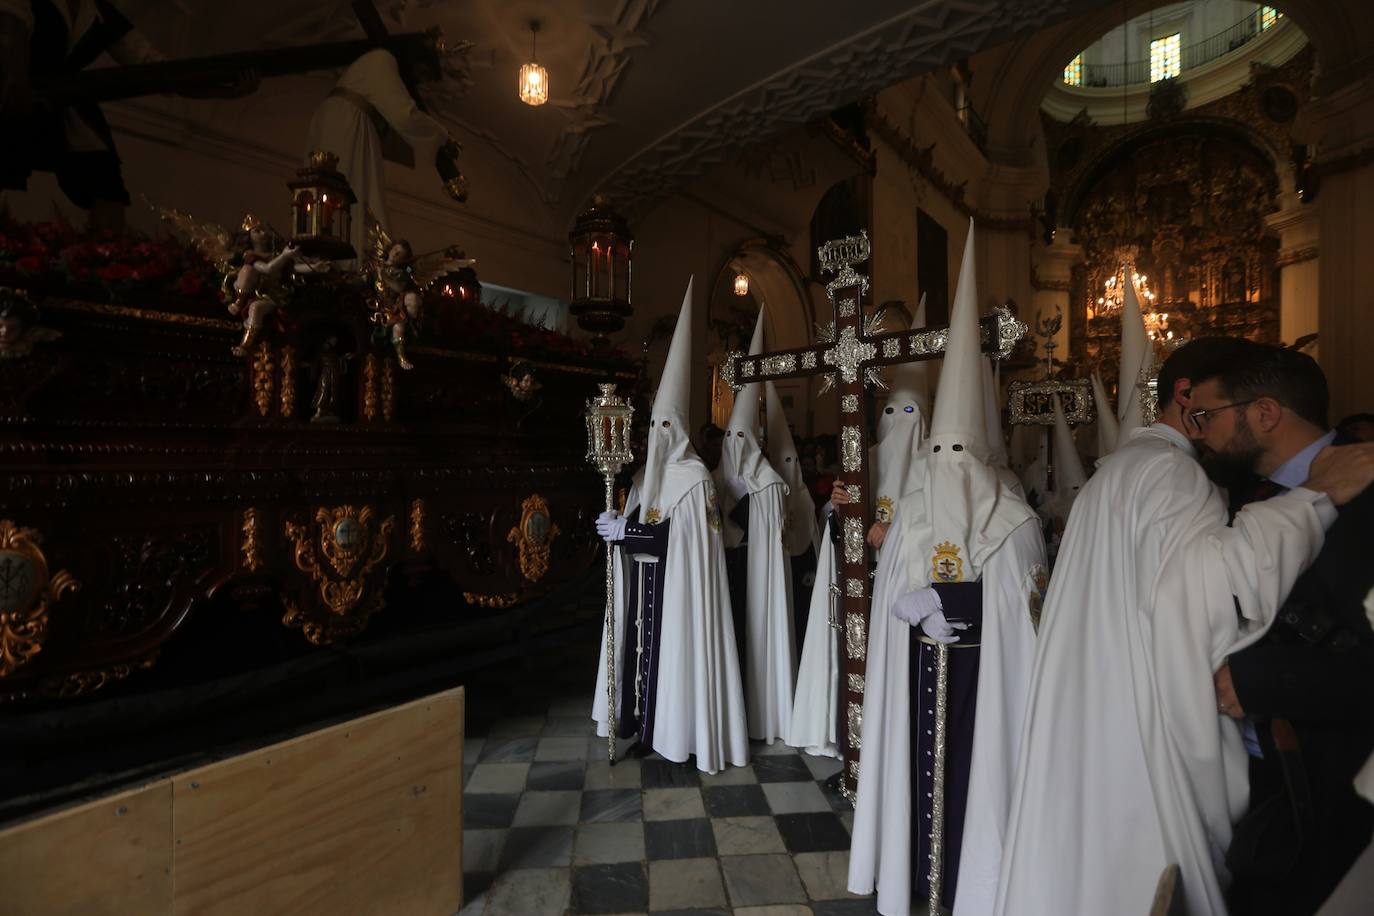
(1126, 764)
(1296, 691)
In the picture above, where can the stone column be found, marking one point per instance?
(1298, 229)
(1340, 125)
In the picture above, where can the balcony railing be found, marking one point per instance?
(1194, 55)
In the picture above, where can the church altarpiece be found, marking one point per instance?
(1183, 195)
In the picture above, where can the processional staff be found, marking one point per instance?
(608, 449)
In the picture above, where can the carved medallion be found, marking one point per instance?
(349, 584)
(26, 591)
(534, 537)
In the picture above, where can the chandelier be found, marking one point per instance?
(1157, 326)
(1114, 292)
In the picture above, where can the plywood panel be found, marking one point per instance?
(109, 856)
(363, 817)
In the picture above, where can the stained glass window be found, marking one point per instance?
(1165, 57)
(1073, 73)
(1269, 17)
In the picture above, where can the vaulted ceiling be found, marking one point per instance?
(646, 94)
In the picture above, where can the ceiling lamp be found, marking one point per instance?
(534, 79)
(741, 284)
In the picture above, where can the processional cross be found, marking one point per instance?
(851, 352)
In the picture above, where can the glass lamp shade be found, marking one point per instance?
(741, 285)
(601, 251)
(321, 202)
(534, 84)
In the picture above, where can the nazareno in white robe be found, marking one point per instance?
(1126, 764)
(881, 853)
(700, 704)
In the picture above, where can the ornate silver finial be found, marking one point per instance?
(1010, 331)
(838, 256)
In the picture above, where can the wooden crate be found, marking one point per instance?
(362, 817)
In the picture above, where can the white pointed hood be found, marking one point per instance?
(671, 466)
(992, 415)
(1135, 353)
(969, 511)
(1107, 428)
(901, 430)
(800, 531)
(1069, 475)
(740, 452)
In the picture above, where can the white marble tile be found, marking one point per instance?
(672, 804)
(498, 778)
(682, 884)
(825, 874)
(538, 809)
(762, 879)
(607, 844)
(795, 797)
(742, 836)
(600, 775)
(530, 892)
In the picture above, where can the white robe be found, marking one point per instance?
(700, 704)
(1126, 765)
(770, 644)
(881, 854)
(341, 127)
(815, 706)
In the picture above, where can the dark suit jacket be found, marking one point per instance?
(1315, 668)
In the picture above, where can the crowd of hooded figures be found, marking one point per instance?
(1180, 716)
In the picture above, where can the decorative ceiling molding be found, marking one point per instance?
(586, 106)
(934, 33)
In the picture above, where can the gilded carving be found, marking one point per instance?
(263, 383)
(79, 683)
(495, 601)
(388, 389)
(417, 525)
(370, 401)
(252, 557)
(26, 591)
(534, 537)
(288, 381)
(353, 544)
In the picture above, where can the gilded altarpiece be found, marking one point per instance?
(1184, 195)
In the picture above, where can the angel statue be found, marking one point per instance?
(253, 283)
(399, 278)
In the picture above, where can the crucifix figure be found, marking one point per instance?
(850, 353)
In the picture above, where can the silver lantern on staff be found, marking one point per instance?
(608, 449)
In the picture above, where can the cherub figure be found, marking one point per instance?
(253, 283)
(399, 278)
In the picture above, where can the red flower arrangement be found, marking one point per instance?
(61, 257)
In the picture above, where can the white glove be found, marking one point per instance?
(611, 526)
(737, 487)
(923, 608)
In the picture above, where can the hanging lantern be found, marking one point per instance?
(321, 216)
(601, 245)
(741, 284)
(534, 79)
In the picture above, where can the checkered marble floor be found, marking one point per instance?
(550, 828)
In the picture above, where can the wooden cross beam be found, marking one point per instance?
(851, 351)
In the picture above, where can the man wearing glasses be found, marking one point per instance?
(1305, 692)
(1127, 765)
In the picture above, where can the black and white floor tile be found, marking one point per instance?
(550, 828)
